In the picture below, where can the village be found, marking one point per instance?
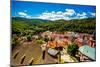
(85, 42)
(63, 47)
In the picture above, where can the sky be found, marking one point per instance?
(51, 11)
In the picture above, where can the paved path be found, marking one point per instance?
(28, 50)
(29, 53)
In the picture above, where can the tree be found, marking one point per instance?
(15, 42)
(72, 49)
(29, 37)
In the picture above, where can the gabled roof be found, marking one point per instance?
(88, 51)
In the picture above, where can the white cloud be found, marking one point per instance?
(70, 12)
(53, 16)
(57, 15)
(82, 15)
(93, 14)
(53, 12)
(24, 15)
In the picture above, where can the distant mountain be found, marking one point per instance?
(30, 21)
(35, 22)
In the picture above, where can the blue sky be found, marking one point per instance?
(51, 11)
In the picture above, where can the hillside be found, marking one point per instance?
(19, 25)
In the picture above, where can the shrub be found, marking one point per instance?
(29, 38)
(72, 49)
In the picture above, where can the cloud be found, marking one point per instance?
(70, 12)
(93, 14)
(24, 15)
(57, 15)
(82, 15)
(53, 16)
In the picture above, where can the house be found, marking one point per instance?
(87, 53)
(91, 42)
(35, 37)
(52, 52)
(59, 43)
(45, 34)
(51, 44)
(79, 41)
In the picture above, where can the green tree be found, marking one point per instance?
(15, 42)
(72, 49)
(29, 37)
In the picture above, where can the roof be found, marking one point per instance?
(88, 51)
(59, 43)
(52, 51)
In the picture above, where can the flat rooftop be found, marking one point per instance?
(88, 51)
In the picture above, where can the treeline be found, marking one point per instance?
(81, 25)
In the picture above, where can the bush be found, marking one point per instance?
(15, 42)
(40, 41)
(72, 49)
(29, 38)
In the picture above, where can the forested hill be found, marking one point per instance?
(19, 25)
(29, 21)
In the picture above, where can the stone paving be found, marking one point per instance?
(29, 53)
